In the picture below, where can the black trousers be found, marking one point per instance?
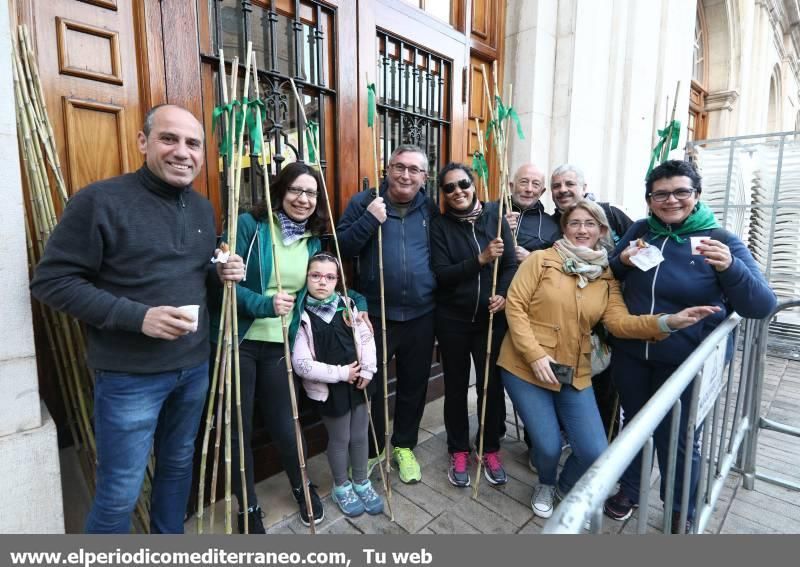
(459, 342)
(263, 379)
(410, 343)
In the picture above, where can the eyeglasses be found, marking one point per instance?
(588, 224)
(316, 276)
(400, 169)
(298, 191)
(461, 184)
(679, 194)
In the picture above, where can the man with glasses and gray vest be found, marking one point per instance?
(404, 211)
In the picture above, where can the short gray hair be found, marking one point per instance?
(409, 148)
(569, 168)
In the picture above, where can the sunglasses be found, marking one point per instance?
(461, 184)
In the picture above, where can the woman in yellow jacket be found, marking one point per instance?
(556, 298)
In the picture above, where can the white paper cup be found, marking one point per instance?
(696, 241)
(192, 312)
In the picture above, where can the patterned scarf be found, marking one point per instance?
(291, 231)
(325, 309)
(584, 262)
(701, 218)
(468, 215)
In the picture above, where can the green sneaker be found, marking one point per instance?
(407, 465)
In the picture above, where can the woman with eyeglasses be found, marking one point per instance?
(703, 265)
(557, 297)
(300, 218)
(464, 245)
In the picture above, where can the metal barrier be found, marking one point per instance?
(725, 427)
(751, 445)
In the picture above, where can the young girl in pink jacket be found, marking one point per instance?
(335, 373)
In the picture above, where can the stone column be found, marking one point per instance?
(31, 501)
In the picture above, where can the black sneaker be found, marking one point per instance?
(316, 504)
(619, 507)
(676, 524)
(255, 524)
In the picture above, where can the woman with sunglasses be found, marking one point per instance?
(718, 270)
(464, 245)
(300, 218)
(556, 298)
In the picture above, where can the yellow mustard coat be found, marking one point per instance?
(548, 314)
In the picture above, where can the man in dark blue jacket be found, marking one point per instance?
(404, 212)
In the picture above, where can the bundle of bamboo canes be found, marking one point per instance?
(44, 182)
(225, 372)
(501, 117)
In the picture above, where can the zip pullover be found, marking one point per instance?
(536, 230)
(408, 279)
(124, 245)
(463, 285)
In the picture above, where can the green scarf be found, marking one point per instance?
(702, 218)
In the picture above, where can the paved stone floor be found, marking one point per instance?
(435, 506)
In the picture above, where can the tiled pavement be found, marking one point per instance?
(435, 506)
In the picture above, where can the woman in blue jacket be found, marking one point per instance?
(720, 271)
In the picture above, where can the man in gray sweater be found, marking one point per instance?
(127, 253)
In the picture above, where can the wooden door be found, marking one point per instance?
(87, 56)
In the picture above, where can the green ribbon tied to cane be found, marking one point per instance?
(667, 138)
(312, 129)
(480, 167)
(235, 108)
(371, 105)
(504, 112)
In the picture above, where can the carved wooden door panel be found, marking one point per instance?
(87, 57)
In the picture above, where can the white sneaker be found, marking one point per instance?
(544, 496)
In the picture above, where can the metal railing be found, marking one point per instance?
(751, 447)
(719, 405)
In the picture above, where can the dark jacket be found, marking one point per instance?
(683, 280)
(254, 244)
(124, 245)
(536, 230)
(408, 280)
(617, 220)
(463, 285)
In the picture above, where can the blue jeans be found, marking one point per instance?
(132, 413)
(541, 410)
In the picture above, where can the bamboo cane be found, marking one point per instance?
(208, 422)
(233, 345)
(233, 223)
(503, 202)
(344, 285)
(285, 328)
(218, 434)
(384, 343)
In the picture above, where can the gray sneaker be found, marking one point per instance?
(543, 500)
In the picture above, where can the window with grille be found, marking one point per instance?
(413, 93)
